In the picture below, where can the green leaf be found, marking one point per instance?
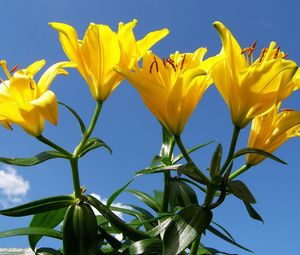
(46, 220)
(216, 161)
(147, 199)
(113, 197)
(160, 227)
(37, 159)
(187, 225)
(75, 114)
(241, 191)
(109, 238)
(190, 171)
(115, 220)
(224, 230)
(31, 231)
(260, 152)
(48, 251)
(157, 169)
(181, 194)
(92, 144)
(40, 206)
(180, 156)
(252, 212)
(211, 251)
(146, 246)
(225, 238)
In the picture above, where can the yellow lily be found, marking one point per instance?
(250, 88)
(271, 130)
(171, 88)
(101, 49)
(26, 103)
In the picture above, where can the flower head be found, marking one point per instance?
(171, 88)
(101, 49)
(250, 88)
(26, 103)
(271, 130)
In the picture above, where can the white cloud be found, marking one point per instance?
(104, 201)
(13, 188)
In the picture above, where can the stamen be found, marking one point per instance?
(14, 68)
(30, 85)
(249, 50)
(285, 55)
(5, 69)
(182, 62)
(156, 65)
(164, 62)
(277, 52)
(171, 62)
(262, 54)
(287, 110)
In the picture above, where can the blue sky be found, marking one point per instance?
(128, 127)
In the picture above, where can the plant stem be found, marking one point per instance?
(187, 157)
(195, 246)
(238, 172)
(234, 139)
(86, 135)
(167, 178)
(75, 176)
(53, 145)
(210, 194)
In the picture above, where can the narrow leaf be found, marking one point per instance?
(46, 220)
(147, 199)
(31, 231)
(39, 206)
(146, 246)
(180, 156)
(167, 144)
(215, 161)
(75, 114)
(260, 152)
(187, 225)
(37, 159)
(48, 251)
(252, 212)
(225, 238)
(92, 144)
(240, 190)
(113, 197)
(115, 220)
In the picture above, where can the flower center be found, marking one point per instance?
(168, 63)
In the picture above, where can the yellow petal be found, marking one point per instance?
(35, 67)
(69, 40)
(232, 49)
(48, 76)
(149, 40)
(47, 106)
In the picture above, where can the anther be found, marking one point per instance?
(287, 110)
(182, 62)
(277, 52)
(156, 65)
(14, 68)
(249, 50)
(30, 85)
(171, 62)
(1, 80)
(262, 54)
(285, 55)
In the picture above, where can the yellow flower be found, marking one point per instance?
(171, 88)
(271, 130)
(101, 49)
(250, 88)
(26, 103)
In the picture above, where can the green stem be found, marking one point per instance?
(167, 178)
(75, 176)
(187, 157)
(234, 139)
(87, 134)
(195, 246)
(210, 194)
(53, 145)
(238, 172)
